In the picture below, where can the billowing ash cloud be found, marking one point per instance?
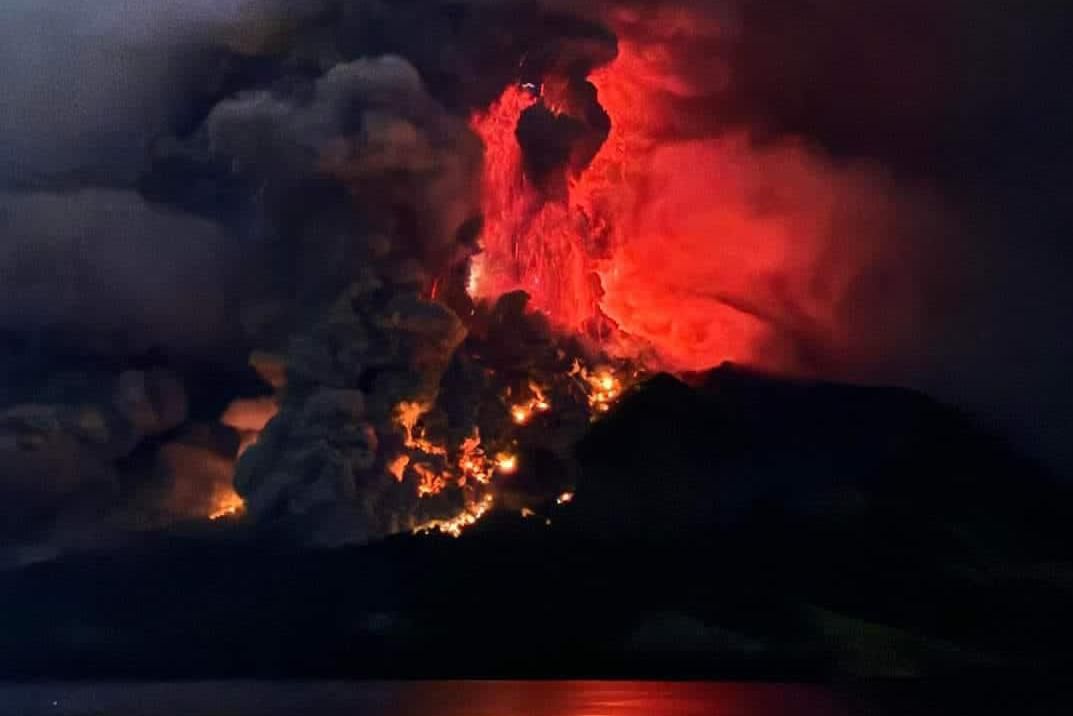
(370, 126)
(219, 178)
(184, 182)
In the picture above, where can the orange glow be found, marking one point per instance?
(468, 517)
(408, 415)
(249, 417)
(565, 498)
(226, 503)
(540, 401)
(251, 414)
(397, 467)
(506, 463)
(471, 470)
(602, 386)
(522, 413)
(472, 461)
(431, 482)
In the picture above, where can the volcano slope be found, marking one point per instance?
(737, 525)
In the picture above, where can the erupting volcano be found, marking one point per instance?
(571, 339)
(620, 235)
(442, 277)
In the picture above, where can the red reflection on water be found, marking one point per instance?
(422, 698)
(605, 698)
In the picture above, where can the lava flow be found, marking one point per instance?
(522, 413)
(226, 503)
(471, 471)
(475, 468)
(602, 386)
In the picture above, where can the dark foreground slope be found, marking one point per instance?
(742, 527)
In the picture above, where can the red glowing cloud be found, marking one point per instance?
(682, 249)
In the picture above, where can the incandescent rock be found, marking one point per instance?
(320, 461)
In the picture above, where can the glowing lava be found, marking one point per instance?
(506, 463)
(408, 417)
(397, 467)
(529, 244)
(473, 463)
(454, 526)
(226, 503)
(522, 413)
(471, 471)
(603, 386)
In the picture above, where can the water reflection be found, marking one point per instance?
(622, 699)
(489, 698)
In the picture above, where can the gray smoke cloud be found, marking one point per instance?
(89, 84)
(92, 85)
(104, 263)
(213, 183)
(92, 273)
